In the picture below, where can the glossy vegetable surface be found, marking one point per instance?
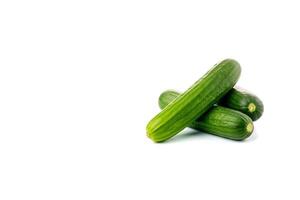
(195, 101)
(245, 102)
(218, 120)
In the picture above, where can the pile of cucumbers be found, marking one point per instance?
(210, 105)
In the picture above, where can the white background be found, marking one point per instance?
(79, 80)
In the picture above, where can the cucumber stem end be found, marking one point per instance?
(251, 107)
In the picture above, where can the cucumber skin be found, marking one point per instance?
(218, 120)
(195, 101)
(240, 100)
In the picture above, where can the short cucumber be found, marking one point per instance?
(195, 101)
(245, 102)
(218, 120)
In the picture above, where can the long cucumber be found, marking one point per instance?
(195, 101)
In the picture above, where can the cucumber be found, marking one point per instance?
(218, 120)
(245, 102)
(195, 101)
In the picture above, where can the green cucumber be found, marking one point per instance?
(195, 101)
(218, 120)
(245, 102)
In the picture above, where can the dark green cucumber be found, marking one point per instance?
(218, 120)
(195, 101)
(245, 102)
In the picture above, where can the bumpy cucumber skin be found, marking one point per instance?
(240, 100)
(195, 101)
(218, 120)
(225, 122)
